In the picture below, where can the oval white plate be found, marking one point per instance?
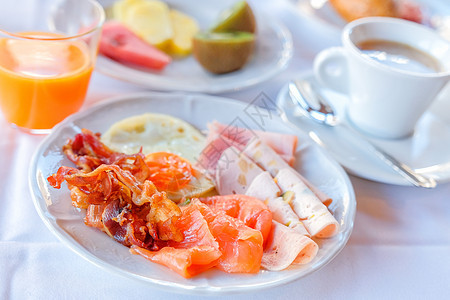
(426, 151)
(66, 222)
(273, 50)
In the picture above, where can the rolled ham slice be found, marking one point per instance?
(270, 161)
(281, 143)
(264, 188)
(234, 172)
(314, 214)
(215, 146)
(324, 198)
(282, 212)
(286, 246)
(265, 157)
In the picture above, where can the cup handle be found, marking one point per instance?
(331, 70)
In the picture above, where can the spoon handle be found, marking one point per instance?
(407, 172)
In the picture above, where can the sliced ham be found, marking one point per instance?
(283, 144)
(314, 214)
(290, 177)
(326, 200)
(210, 156)
(269, 160)
(286, 246)
(265, 156)
(234, 172)
(282, 212)
(264, 188)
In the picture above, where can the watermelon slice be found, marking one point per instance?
(123, 45)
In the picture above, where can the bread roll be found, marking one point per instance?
(354, 9)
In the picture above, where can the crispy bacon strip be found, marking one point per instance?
(134, 212)
(94, 215)
(87, 152)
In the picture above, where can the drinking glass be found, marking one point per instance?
(47, 53)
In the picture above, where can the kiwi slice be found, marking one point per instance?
(223, 52)
(239, 17)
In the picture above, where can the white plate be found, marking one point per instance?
(426, 151)
(436, 13)
(273, 50)
(54, 206)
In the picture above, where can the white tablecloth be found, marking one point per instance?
(400, 246)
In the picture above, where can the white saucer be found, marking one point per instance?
(427, 150)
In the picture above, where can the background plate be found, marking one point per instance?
(273, 50)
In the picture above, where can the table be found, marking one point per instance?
(399, 249)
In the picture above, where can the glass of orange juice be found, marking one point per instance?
(47, 53)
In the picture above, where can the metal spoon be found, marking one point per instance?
(318, 109)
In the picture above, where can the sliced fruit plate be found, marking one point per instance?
(268, 52)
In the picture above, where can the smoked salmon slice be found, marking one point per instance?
(197, 252)
(186, 262)
(241, 246)
(252, 211)
(210, 239)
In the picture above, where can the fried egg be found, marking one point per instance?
(160, 132)
(154, 133)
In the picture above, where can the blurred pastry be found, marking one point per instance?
(354, 9)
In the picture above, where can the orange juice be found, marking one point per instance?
(42, 81)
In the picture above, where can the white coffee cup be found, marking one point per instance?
(385, 101)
